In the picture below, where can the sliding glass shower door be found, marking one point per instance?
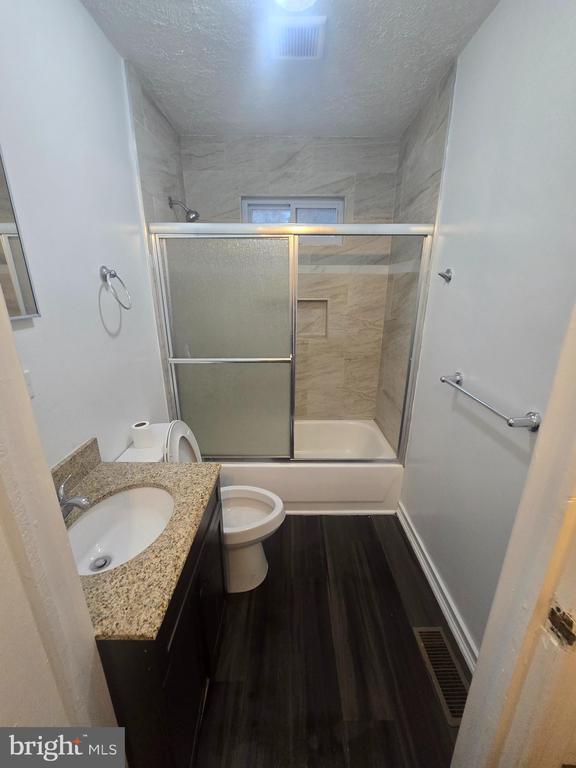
(229, 313)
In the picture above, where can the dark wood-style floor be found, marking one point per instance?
(319, 665)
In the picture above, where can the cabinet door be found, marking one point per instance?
(136, 689)
(186, 683)
(210, 577)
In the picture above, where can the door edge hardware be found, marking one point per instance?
(446, 275)
(562, 624)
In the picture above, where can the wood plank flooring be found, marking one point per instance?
(319, 666)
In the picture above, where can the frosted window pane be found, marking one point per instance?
(229, 297)
(237, 409)
(269, 215)
(316, 216)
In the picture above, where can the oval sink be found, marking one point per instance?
(118, 528)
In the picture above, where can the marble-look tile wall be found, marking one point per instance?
(158, 147)
(6, 211)
(418, 187)
(218, 173)
(338, 350)
(338, 344)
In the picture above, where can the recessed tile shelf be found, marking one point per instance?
(313, 317)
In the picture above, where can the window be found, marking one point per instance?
(298, 210)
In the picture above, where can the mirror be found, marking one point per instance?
(14, 277)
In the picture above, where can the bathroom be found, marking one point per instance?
(292, 273)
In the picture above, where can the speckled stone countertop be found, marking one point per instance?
(130, 601)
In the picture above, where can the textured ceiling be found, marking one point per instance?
(206, 62)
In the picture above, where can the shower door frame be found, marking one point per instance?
(172, 362)
(161, 232)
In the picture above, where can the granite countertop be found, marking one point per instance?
(130, 601)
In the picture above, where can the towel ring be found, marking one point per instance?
(107, 276)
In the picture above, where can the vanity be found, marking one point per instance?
(158, 617)
(158, 685)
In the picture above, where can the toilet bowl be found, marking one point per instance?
(249, 514)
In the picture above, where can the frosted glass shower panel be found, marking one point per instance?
(237, 409)
(229, 297)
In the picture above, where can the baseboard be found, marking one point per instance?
(451, 613)
(290, 510)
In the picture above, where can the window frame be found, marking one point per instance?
(293, 203)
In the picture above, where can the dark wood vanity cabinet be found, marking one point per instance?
(159, 687)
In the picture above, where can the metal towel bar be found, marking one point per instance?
(530, 420)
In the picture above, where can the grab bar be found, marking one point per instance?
(530, 420)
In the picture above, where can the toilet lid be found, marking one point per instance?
(181, 446)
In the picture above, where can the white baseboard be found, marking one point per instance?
(350, 511)
(451, 613)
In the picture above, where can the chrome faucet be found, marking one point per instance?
(67, 504)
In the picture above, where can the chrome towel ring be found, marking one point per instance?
(107, 276)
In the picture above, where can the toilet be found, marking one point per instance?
(249, 514)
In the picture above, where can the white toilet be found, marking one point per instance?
(250, 514)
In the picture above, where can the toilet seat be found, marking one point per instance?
(181, 446)
(249, 514)
(172, 441)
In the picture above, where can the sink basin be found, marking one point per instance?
(118, 528)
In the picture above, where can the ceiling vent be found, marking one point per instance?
(298, 37)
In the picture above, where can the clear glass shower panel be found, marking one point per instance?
(357, 305)
(237, 409)
(229, 297)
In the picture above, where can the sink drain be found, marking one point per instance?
(100, 562)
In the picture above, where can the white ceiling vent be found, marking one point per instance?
(298, 37)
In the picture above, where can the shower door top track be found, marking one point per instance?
(177, 229)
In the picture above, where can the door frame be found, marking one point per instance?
(535, 562)
(33, 533)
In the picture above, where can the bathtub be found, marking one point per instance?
(329, 487)
(340, 439)
(323, 487)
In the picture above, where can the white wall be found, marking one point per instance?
(68, 152)
(506, 227)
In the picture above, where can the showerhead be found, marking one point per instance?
(191, 215)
